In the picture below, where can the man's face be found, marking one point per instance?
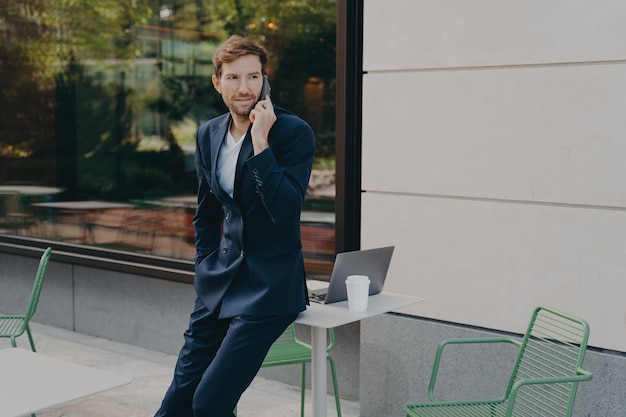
(240, 84)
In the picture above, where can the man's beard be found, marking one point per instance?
(239, 110)
(245, 112)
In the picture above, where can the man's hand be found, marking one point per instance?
(262, 117)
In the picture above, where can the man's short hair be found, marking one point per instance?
(235, 47)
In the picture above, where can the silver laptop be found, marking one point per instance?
(371, 262)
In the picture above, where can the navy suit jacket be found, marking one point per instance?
(248, 251)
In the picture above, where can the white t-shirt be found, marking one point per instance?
(227, 162)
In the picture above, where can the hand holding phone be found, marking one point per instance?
(262, 118)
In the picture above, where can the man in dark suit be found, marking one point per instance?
(253, 165)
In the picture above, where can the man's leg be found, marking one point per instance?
(202, 341)
(236, 363)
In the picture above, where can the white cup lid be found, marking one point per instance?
(358, 278)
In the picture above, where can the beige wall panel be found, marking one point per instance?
(409, 34)
(541, 134)
(489, 264)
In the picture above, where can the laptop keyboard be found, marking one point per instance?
(317, 298)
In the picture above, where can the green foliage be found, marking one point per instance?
(82, 81)
(95, 29)
(25, 90)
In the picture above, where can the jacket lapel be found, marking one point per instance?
(244, 154)
(217, 138)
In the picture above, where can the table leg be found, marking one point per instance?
(318, 371)
(88, 224)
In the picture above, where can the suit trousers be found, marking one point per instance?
(218, 361)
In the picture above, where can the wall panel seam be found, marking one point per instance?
(499, 200)
(492, 67)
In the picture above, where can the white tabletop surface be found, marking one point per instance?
(31, 189)
(31, 381)
(187, 199)
(338, 314)
(84, 205)
(183, 201)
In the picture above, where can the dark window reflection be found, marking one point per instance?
(100, 102)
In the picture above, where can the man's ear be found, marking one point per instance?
(216, 83)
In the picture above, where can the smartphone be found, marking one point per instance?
(266, 89)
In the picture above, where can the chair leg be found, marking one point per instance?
(13, 341)
(302, 389)
(30, 338)
(335, 387)
(332, 372)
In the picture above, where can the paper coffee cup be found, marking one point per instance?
(357, 287)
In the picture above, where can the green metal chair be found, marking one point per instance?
(288, 350)
(14, 326)
(544, 379)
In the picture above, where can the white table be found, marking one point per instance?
(87, 209)
(31, 381)
(322, 317)
(182, 201)
(87, 205)
(34, 190)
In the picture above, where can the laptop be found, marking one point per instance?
(371, 262)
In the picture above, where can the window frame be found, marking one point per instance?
(348, 131)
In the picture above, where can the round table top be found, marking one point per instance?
(31, 189)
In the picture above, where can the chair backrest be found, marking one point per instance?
(39, 278)
(288, 336)
(553, 347)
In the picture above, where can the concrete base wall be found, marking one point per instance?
(393, 353)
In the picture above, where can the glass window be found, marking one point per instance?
(101, 100)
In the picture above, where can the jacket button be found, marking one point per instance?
(241, 253)
(224, 249)
(227, 216)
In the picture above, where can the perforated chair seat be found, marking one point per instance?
(454, 409)
(12, 325)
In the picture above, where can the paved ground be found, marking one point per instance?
(151, 373)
